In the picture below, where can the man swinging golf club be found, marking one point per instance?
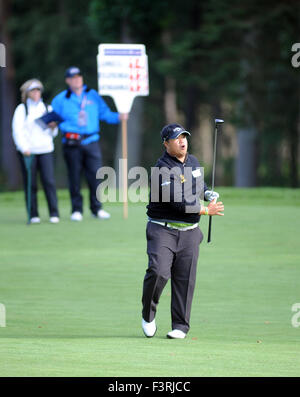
(173, 235)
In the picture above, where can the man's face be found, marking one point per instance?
(75, 82)
(177, 147)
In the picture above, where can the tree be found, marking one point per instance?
(45, 38)
(221, 58)
(7, 102)
(249, 65)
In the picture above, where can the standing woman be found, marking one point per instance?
(31, 139)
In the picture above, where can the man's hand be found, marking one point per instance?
(209, 195)
(26, 153)
(215, 208)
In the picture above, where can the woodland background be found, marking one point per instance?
(213, 59)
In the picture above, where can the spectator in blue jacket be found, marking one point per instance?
(81, 109)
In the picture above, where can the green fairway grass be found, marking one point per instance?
(72, 292)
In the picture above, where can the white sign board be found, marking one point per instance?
(122, 73)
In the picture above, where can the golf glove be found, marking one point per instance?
(210, 195)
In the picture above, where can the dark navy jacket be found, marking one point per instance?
(176, 190)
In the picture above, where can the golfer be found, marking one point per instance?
(82, 108)
(173, 235)
(33, 141)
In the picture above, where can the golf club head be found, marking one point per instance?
(219, 121)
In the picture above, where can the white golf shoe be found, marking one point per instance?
(103, 214)
(76, 216)
(35, 219)
(54, 219)
(176, 334)
(149, 328)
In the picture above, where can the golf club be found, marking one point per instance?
(217, 122)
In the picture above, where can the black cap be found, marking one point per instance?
(72, 71)
(172, 131)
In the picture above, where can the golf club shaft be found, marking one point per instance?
(214, 159)
(213, 180)
(209, 229)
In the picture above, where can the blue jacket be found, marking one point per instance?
(68, 105)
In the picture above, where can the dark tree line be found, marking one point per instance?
(217, 58)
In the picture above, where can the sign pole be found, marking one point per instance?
(125, 168)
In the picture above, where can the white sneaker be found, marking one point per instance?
(149, 328)
(76, 216)
(176, 334)
(103, 214)
(54, 219)
(35, 219)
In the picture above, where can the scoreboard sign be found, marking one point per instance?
(122, 73)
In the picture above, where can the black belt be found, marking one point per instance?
(75, 138)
